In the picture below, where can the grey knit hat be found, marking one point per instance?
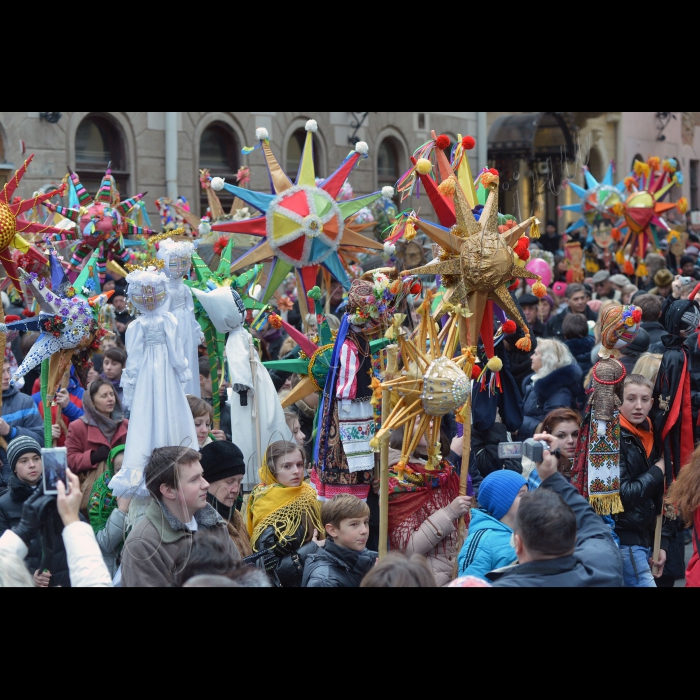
(21, 446)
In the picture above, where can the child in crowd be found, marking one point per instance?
(203, 415)
(396, 570)
(113, 364)
(292, 418)
(344, 560)
(108, 514)
(641, 486)
(489, 545)
(284, 515)
(207, 391)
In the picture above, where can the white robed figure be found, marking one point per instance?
(177, 259)
(153, 381)
(257, 417)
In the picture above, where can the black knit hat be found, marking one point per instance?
(222, 460)
(21, 446)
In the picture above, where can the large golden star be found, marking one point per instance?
(476, 261)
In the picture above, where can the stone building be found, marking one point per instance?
(163, 152)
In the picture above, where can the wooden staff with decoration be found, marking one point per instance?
(392, 357)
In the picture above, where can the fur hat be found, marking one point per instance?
(663, 278)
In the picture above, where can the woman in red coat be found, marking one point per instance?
(93, 436)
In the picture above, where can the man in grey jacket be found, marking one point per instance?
(560, 541)
(20, 416)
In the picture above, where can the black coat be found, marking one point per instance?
(641, 493)
(563, 388)
(484, 453)
(290, 558)
(655, 331)
(581, 348)
(554, 325)
(40, 555)
(595, 563)
(337, 567)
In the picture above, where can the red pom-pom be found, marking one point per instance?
(468, 143)
(509, 327)
(28, 314)
(275, 321)
(493, 171)
(637, 315)
(514, 286)
(522, 247)
(442, 142)
(12, 319)
(476, 372)
(416, 288)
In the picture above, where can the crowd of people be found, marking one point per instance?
(527, 525)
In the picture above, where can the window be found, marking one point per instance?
(218, 152)
(295, 150)
(388, 163)
(595, 165)
(635, 159)
(97, 144)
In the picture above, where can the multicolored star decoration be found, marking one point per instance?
(479, 258)
(597, 202)
(11, 227)
(642, 211)
(101, 225)
(303, 226)
(206, 280)
(68, 320)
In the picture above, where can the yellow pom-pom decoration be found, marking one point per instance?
(682, 205)
(539, 290)
(524, 344)
(519, 262)
(410, 233)
(534, 230)
(642, 270)
(424, 166)
(654, 163)
(447, 188)
(495, 364)
(620, 258)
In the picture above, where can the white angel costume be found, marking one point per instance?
(257, 417)
(153, 382)
(177, 256)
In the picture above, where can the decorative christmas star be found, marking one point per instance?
(11, 226)
(101, 224)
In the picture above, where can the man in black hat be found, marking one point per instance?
(529, 304)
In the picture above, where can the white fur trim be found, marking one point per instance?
(217, 184)
(388, 192)
(262, 134)
(170, 247)
(362, 148)
(312, 125)
(204, 228)
(389, 248)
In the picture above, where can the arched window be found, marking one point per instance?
(634, 160)
(295, 150)
(218, 152)
(388, 164)
(98, 143)
(595, 164)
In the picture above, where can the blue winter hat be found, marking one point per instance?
(498, 491)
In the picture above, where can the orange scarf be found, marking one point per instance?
(646, 437)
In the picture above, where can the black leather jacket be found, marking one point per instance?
(291, 555)
(641, 493)
(337, 567)
(46, 551)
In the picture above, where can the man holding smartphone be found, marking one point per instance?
(20, 417)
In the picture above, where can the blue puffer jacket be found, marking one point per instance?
(563, 388)
(488, 546)
(20, 412)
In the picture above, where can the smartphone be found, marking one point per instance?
(55, 465)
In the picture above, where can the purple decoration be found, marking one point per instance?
(49, 297)
(499, 313)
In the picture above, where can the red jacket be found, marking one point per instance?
(692, 573)
(83, 439)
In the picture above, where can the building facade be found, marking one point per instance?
(162, 152)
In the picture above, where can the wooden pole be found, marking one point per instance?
(657, 542)
(466, 443)
(392, 354)
(256, 414)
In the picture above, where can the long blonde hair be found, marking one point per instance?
(684, 492)
(554, 355)
(647, 365)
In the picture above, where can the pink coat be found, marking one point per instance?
(83, 439)
(436, 539)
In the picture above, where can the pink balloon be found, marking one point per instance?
(540, 267)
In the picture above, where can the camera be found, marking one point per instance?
(686, 280)
(532, 449)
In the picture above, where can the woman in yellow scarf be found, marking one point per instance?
(284, 514)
